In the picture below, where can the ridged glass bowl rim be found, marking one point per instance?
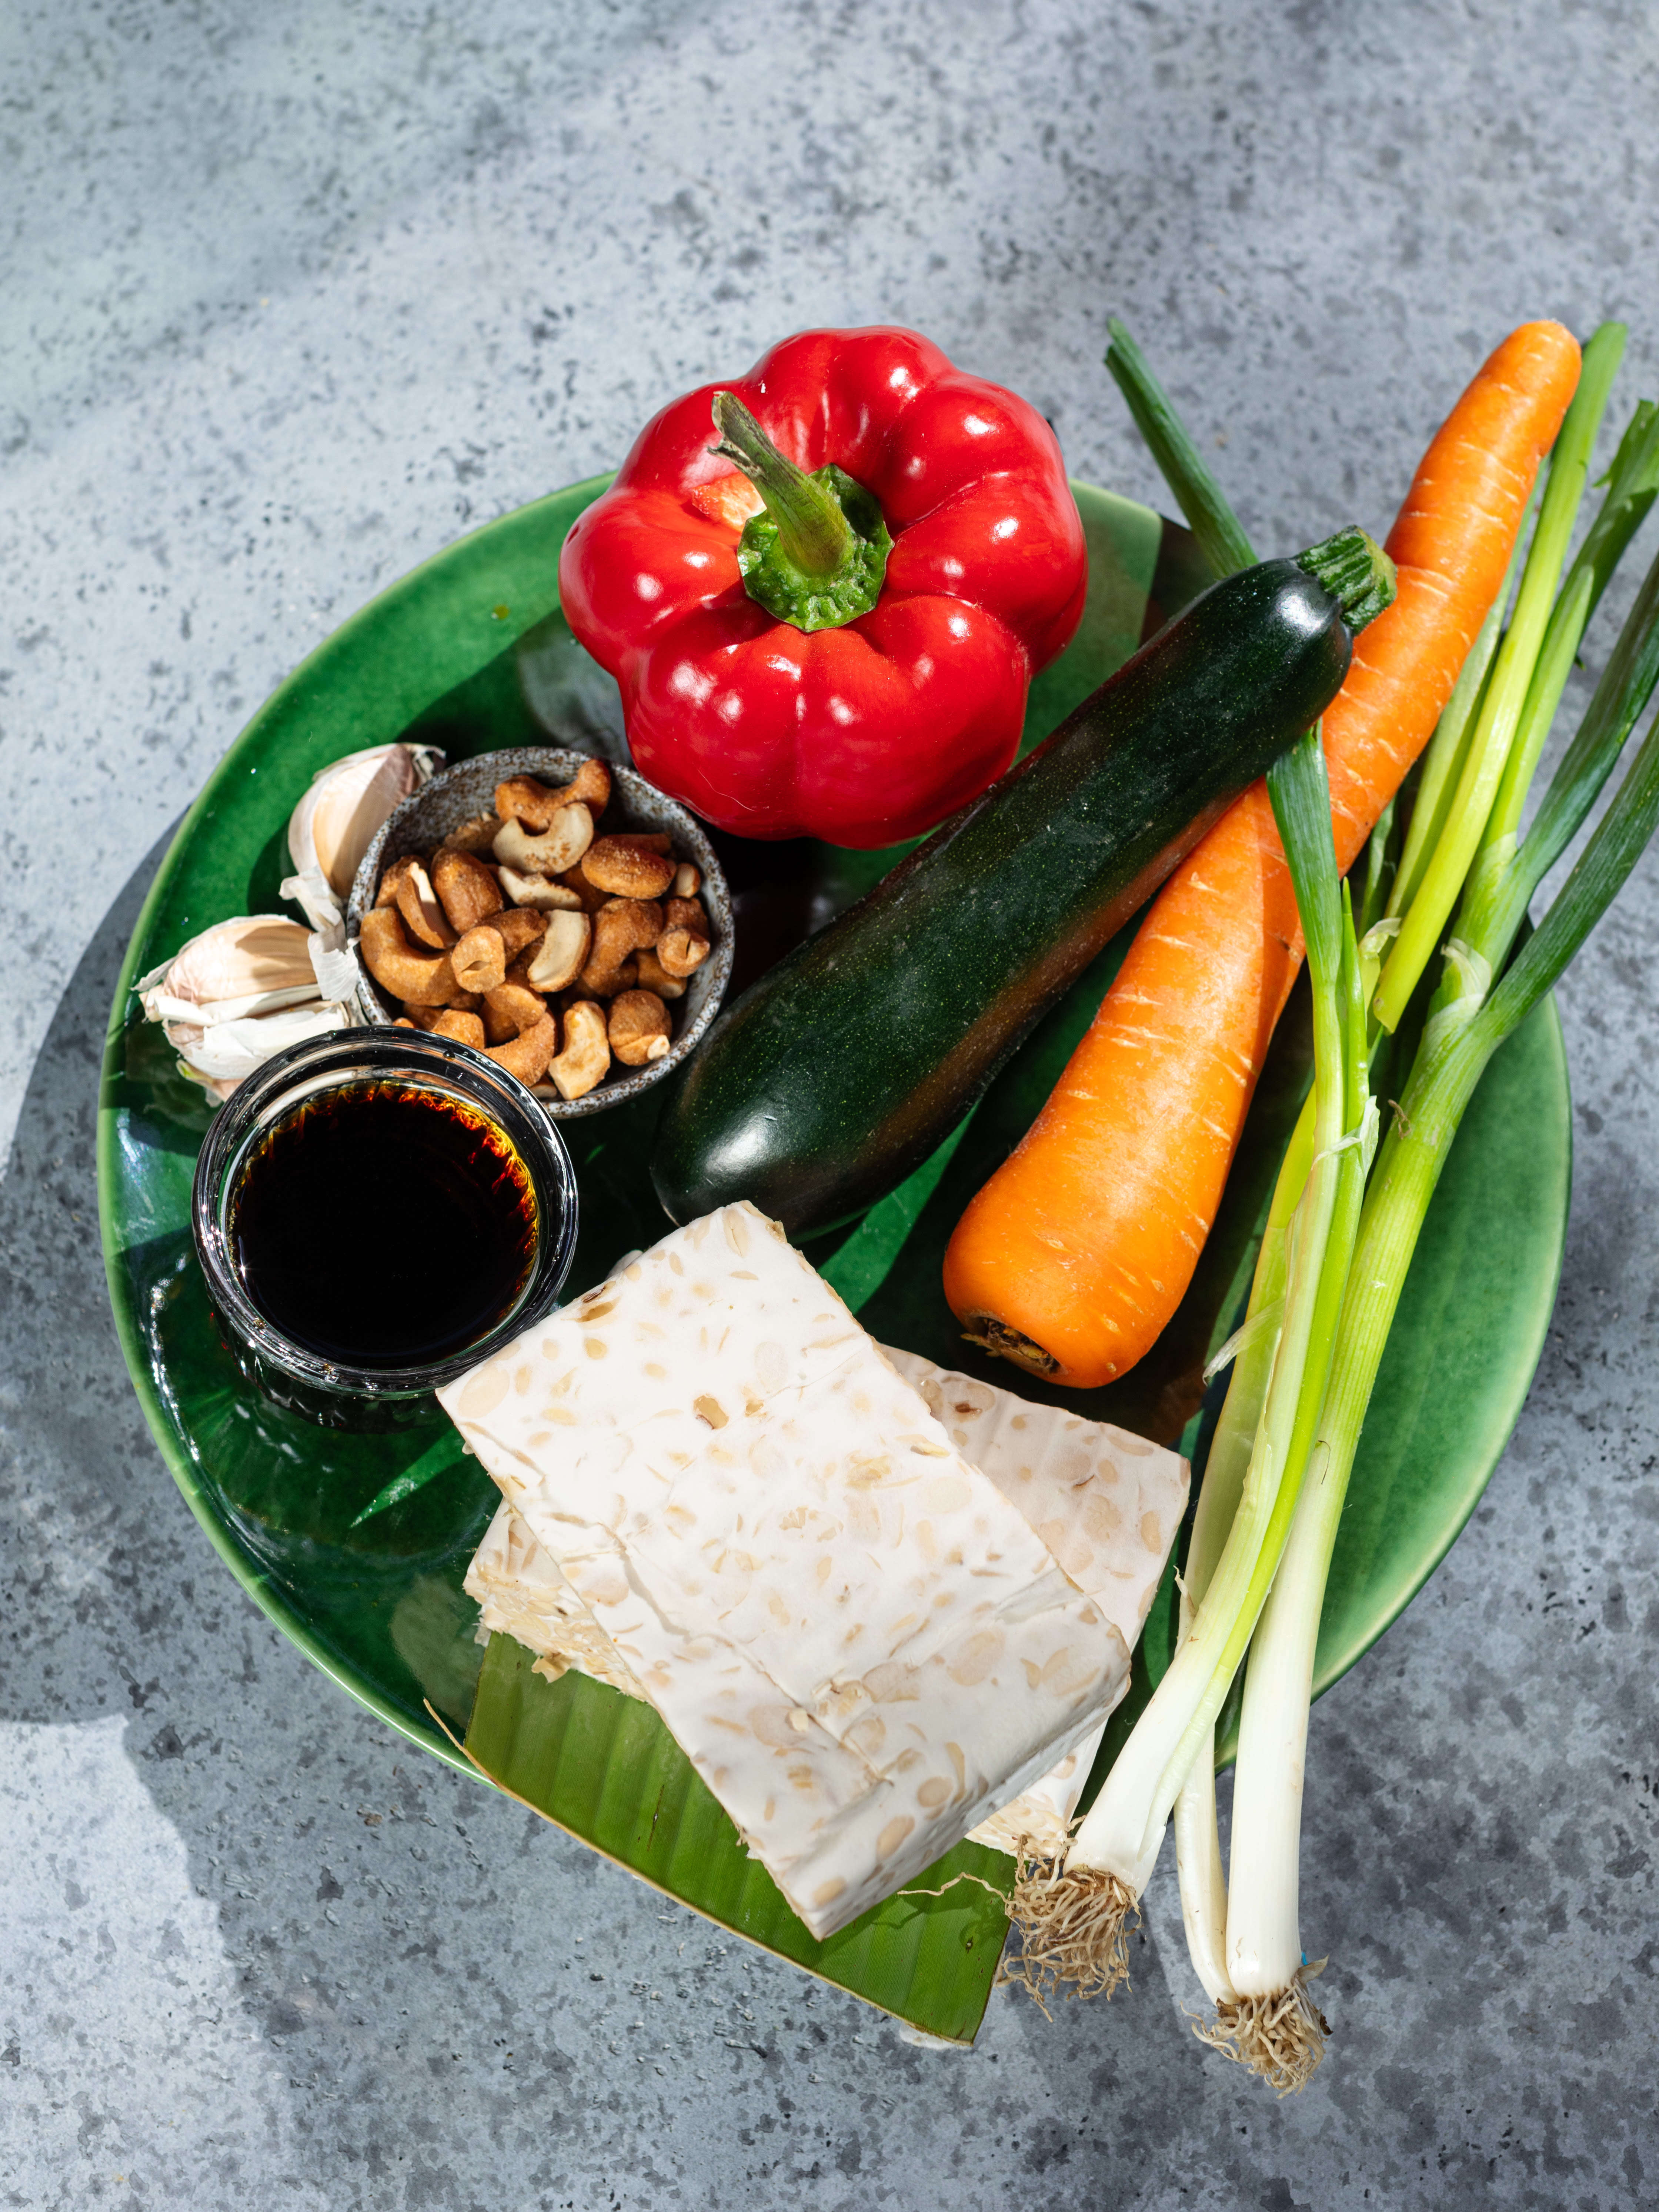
(335, 1061)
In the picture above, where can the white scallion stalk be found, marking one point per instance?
(1273, 2026)
(1198, 1842)
(1264, 1938)
(1268, 2019)
(1072, 1922)
(1203, 1879)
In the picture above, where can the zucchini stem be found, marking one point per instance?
(1356, 572)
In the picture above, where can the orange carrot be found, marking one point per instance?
(1075, 1254)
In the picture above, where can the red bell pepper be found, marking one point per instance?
(788, 668)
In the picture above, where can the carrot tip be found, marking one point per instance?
(1002, 1342)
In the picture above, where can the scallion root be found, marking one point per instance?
(1282, 2039)
(1073, 1929)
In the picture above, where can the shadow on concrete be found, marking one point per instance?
(81, 1506)
(371, 1907)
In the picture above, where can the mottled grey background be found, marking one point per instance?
(292, 295)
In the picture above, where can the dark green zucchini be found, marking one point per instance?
(839, 1071)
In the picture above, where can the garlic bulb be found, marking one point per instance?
(238, 994)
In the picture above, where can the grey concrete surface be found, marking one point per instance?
(291, 296)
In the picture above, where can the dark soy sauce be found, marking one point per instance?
(383, 1225)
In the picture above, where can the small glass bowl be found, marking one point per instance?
(379, 1398)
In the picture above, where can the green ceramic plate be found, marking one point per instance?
(471, 652)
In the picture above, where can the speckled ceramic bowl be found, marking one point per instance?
(455, 794)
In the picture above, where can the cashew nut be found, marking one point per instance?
(427, 1018)
(520, 929)
(511, 1009)
(464, 1028)
(621, 927)
(630, 868)
(684, 945)
(536, 891)
(559, 846)
(527, 1055)
(522, 920)
(523, 800)
(467, 891)
(476, 835)
(558, 960)
(638, 1027)
(479, 959)
(411, 973)
(415, 899)
(654, 977)
(587, 896)
(585, 1060)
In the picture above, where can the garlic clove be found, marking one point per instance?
(231, 1050)
(332, 826)
(336, 965)
(249, 965)
(163, 1006)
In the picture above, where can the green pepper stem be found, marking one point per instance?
(813, 533)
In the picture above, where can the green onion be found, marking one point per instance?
(1308, 1355)
(1203, 1891)
(1506, 693)
(1448, 748)
(1072, 1923)
(1499, 891)
(1201, 498)
(1251, 1353)
(1633, 479)
(1271, 2025)
(1198, 1846)
(1269, 2020)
